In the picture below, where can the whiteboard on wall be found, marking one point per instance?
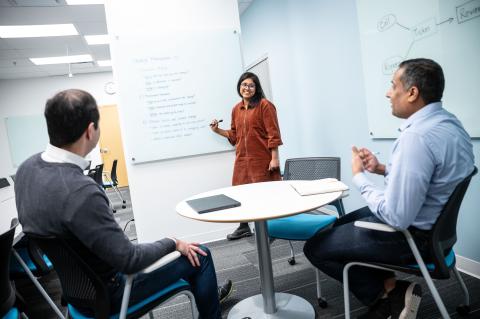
(172, 86)
(447, 31)
(27, 135)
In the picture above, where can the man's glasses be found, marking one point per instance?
(250, 86)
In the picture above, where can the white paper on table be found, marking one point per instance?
(320, 186)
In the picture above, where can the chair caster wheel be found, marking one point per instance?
(322, 303)
(124, 206)
(291, 261)
(124, 201)
(463, 310)
(114, 211)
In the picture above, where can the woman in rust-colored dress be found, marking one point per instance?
(255, 133)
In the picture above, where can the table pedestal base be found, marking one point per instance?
(288, 307)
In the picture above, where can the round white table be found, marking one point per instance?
(260, 202)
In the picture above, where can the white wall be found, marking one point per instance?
(28, 96)
(317, 85)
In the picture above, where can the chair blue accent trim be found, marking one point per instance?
(15, 267)
(12, 314)
(449, 261)
(298, 227)
(74, 313)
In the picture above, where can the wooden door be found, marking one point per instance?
(111, 146)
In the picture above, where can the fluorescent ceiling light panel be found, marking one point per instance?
(62, 59)
(35, 31)
(84, 2)
(97, 39)
(104, 62)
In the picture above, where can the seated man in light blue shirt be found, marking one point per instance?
(430, 157)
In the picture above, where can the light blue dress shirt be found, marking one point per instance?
(430, 157)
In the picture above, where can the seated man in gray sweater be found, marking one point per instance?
(55, 198)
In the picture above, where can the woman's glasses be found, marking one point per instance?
(249, 86)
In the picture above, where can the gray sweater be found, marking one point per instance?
(57, 199)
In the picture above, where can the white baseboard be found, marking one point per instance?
(468, 266)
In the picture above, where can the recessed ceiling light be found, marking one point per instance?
(33, 31)
(84, 2)
(97, 39)
(104, 63)
(62, 59)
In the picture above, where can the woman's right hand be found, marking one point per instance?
(214, 126)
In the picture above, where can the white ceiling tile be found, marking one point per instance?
(75, 42)
(11, 54)
(100, 52)
(9, 63)
(88, 19)
(22, 75)
(20, 69)
(91, 27)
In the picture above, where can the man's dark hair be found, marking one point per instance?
(68, 115)
(426, 75)
(258, 87)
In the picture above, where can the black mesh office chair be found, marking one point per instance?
(303, 226)
(442, 237)
(112, 182)
(81, 285)
(97, 175)
(7, 292)
(312, 168)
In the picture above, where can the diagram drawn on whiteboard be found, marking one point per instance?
(392, 31)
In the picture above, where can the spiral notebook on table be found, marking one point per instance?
(212, 203)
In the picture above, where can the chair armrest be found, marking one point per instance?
(374, 226)
(128, 284)
(161, 262)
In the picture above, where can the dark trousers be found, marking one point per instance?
(203, 281)
(332, 249)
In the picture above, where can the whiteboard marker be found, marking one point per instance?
(219, 121)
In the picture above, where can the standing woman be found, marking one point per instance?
(256, 135)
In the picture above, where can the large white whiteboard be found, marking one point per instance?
(447, 31)
(176, 70)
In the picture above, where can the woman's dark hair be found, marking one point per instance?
(258, 87)
(426, 75)
(68, 115)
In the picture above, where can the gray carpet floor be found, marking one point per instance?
(237, 260)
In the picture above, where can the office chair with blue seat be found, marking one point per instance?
(303, 226)
(7, 292)
(112, 182)
(30, 261)
(97, 175)
(441, 239)
(80, 283)
(33, 257)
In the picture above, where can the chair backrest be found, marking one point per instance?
(97, 174)
(310, 168)
(113, 173)
(7, 294)
(444, 232)
(80, 284)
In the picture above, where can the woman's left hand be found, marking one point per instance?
(274, 164)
